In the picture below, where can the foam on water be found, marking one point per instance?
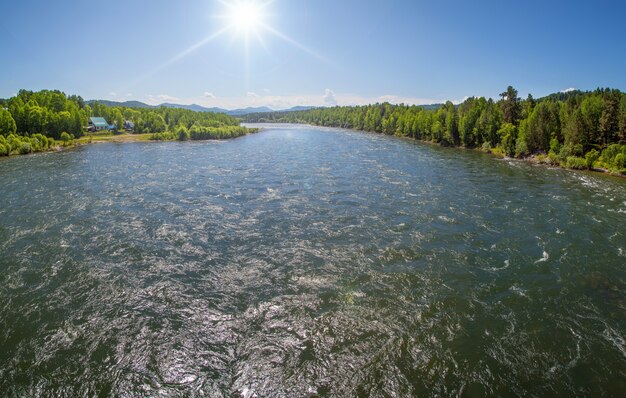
(303, 261)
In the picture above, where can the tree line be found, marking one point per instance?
(53, 115)
(574, 129)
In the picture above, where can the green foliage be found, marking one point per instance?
(52, 112)
(543, 124)
(574, 162)
(25, 148)
(591, 157)
(613, 157)
(66, 138)
(553, 158)
(216, 133)
(511, 106)
(182, 133)
(508, 135)
(555, 145)
(163, 137)
(562, 125)
(4, 150)
(7, 123)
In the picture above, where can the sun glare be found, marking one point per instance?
(246, 16)
(247, 20)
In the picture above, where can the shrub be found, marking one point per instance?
(162, 136)
(611, 156)
(577, 150)
(498, 151)
(521, 148)
(591, 157)
(66, 138)
(4, 150)
(574, 162)
(25, 148)
(182, 133)
(565, 151)
(555, 146)
(553, 157)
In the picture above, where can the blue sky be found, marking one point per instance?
(317, 52)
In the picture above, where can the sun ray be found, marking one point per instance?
(247, 20)
(293, 42)
(183, 54)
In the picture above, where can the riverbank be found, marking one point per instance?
(22, 145)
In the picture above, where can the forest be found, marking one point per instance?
(574, 129)
(35, 121)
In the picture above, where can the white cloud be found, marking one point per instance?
(112, 94)
(250, 94)
(209, 95)
(567, 90)
(330, 98)
(129, 95)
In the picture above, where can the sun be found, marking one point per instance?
(246, 16)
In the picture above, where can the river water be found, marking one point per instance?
(303, 261)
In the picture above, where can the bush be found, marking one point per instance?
(498, 151)
(553, 158)
(574, 162)
(4, 151)
(591, 157)
(555, 146)
(182, 133)
(25, 148)
(163, 137)
(565, 151)
(577, 150)
(66, 138)
(611, 158)
(521, 148)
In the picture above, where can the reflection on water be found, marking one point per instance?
(302, 262)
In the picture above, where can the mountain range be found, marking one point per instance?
(199, 108)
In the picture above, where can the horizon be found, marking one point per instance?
(280, 54)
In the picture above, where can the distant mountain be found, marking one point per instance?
(431, 107)
(299, 108)
(198, 108)
(126, 104)
(195, 108)
(246, 111)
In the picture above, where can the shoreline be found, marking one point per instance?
(146, 137)
(533, 159)
(107, 139)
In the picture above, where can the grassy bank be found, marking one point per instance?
(23, 145)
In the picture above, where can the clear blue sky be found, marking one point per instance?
(321, 51)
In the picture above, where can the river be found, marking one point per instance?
(304, 261)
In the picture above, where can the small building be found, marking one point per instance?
(129, 126)
(98, 124)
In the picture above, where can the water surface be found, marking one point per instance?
(304, 261)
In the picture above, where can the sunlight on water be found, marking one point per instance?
(304, 261)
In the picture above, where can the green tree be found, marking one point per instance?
(510, 105)
(7, 123)
(508, 137)
(66, 138)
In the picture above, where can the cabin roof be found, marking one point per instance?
(98, 122)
